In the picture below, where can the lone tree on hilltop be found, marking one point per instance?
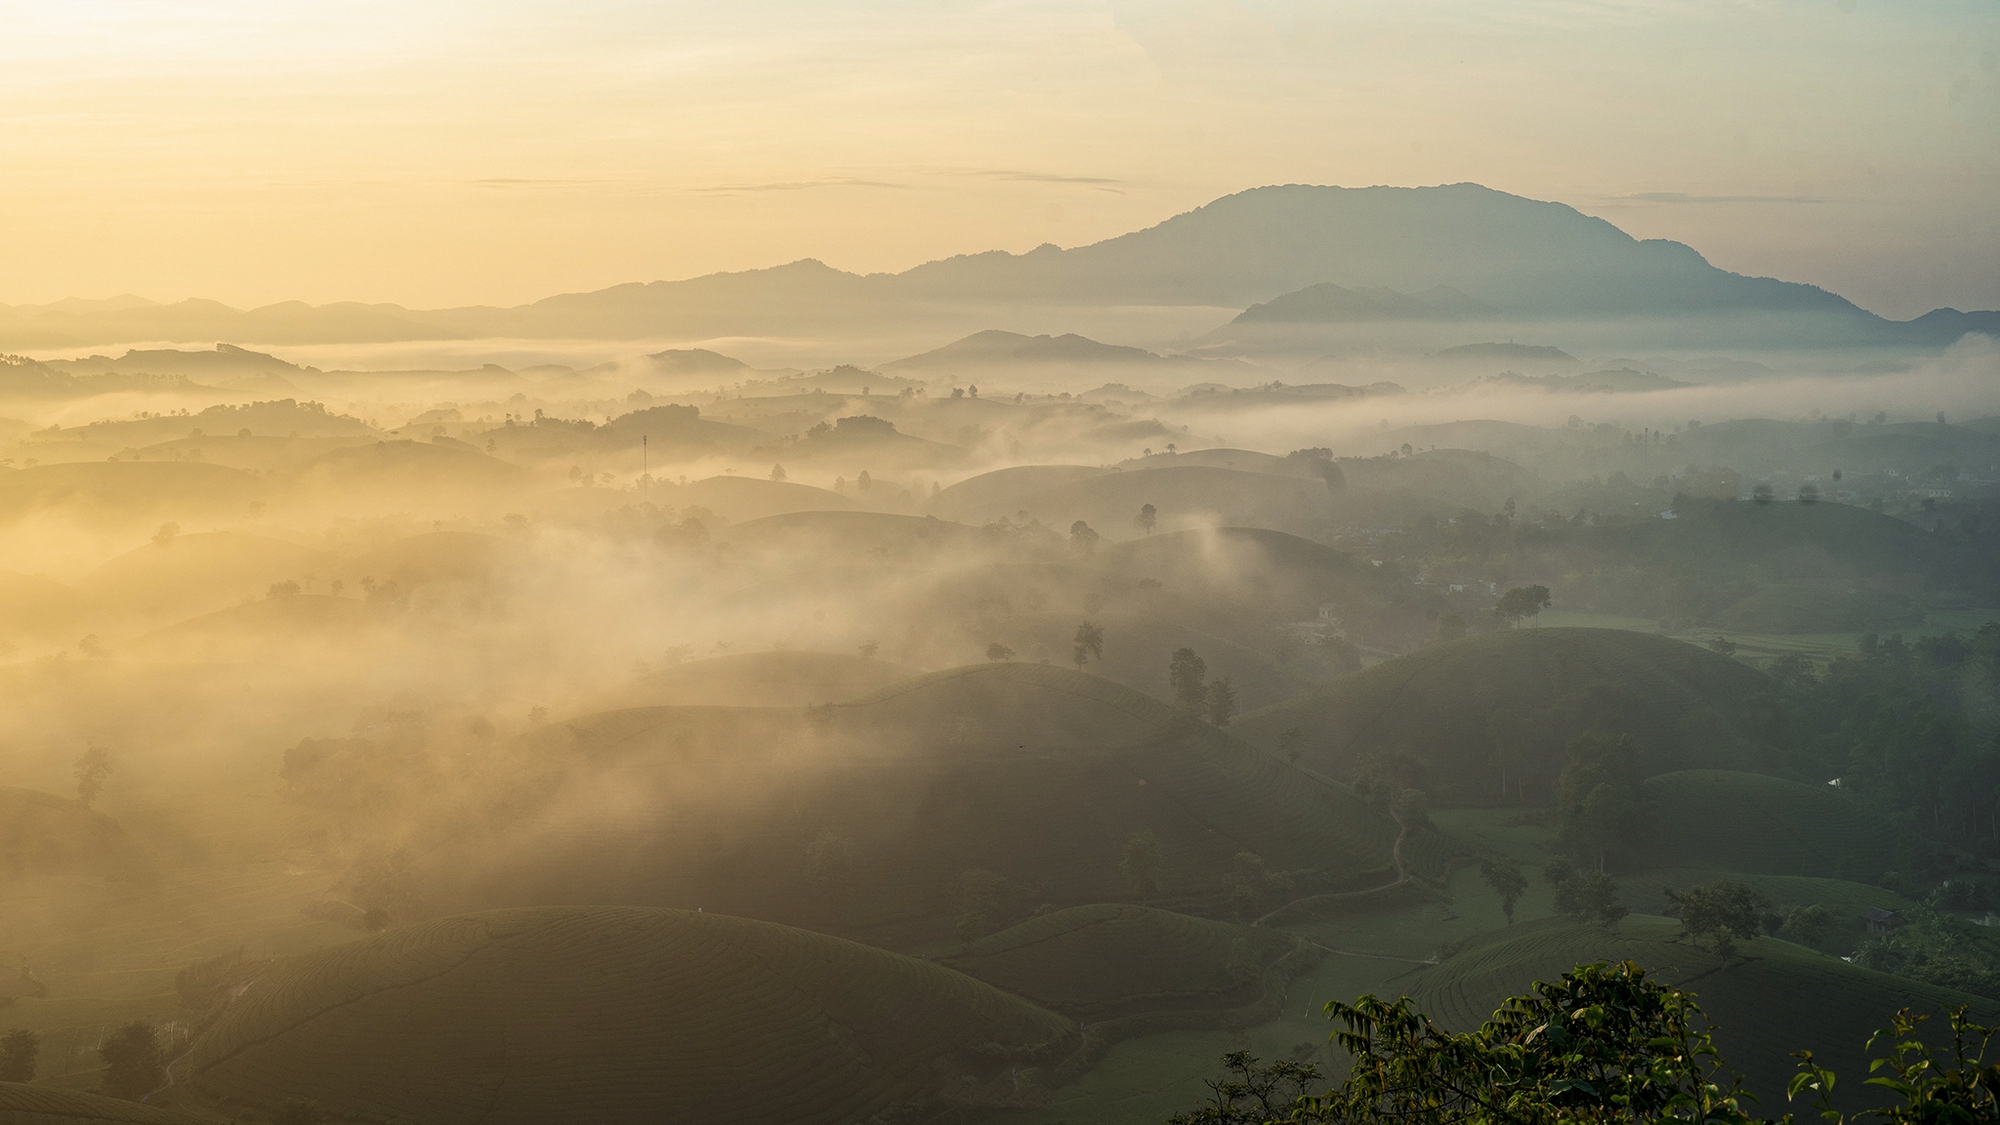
(91, 770)
(133, 1062)
(1221, 702)
(1147, 519)
(1504, 876)
(998, 653)
(1089, 642)
(1522, 601)
(18, 1050)
(1188, 675)
(1082, 539)
(777, 472)
(1724, 912)
(1140, 864)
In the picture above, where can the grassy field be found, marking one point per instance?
(1684, 707)
(756, 679)
(593, 1014)
(1753, 823)
(1770, 1000)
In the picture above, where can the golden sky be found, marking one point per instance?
(439, 152)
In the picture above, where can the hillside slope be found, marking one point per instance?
(1684, 707)
(594, 1014)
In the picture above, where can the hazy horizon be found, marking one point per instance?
(498, 154)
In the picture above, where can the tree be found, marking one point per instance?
(1809, 923)
(1140, 864)
(166, 534)
(1089, 641)
(997, 652)
(777, 472)
(1082, 539)
(864, 482)
(1597, 796)
(18, 1051)
(1722, 644)
(1504, 876)
(133, 1061)
(1147, 519)
(1221, 702)
(1188, 675)
(1522, 601)
(1723, 912)
(1587, 896)
(1809, 493)
(1602, 1044)
(1761, 494)
(91, 770)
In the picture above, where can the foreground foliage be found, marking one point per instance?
(1603, 1044)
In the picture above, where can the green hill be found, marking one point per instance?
(984, 791)
(43, 833)
(1773, 999)
(757, 679)
(1767, 825)
(1685, 707)
(593, 1014)
(41, 1105)
(1105, 961)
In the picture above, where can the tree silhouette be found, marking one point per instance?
(1089, 641)
(777, 472)
(18, 1050)
(1761, 494)
(1522, 601)
(1082, 539)
(1188, 675)
(1504, 876)
(1724, 912)
(1221, 702)
(1147, 519)
(997, 652)
(132, 1061)
(91, 770)
(1140, 864)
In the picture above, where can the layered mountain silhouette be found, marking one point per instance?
(1298, 253)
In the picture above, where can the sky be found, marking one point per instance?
(446, 152)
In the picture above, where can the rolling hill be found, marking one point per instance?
(41, 833)
(1685, 707)
(987, 790)
(594, 1014)
(757, 679)
(1764, 825)
(201, 572)
(1107, 961)
(1775, 998)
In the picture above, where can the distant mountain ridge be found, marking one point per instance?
(1458, 247)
